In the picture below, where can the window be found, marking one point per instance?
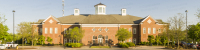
(100, 29)
(35, 29)
(70, 30)
(124, 11)
(96, 9)
(134, 30)
(106, 39)
(65, 40)
(106, 29)
(56, 30)
(154, 30)
(164, 30)
(104, 10)
(144, 30)
(149, 30)
(70, 40)
(51, 30)
(93, 29)
(65, 29)
(129, 29)
(74, 40)
(46, 30)
(76, 11)
(100, 9)
(134, 40)
(159, 30)
(40, 30)
(94, 37)
(129, 40)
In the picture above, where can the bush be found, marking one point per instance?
(130, 44)
(73, 45)
(123, 45)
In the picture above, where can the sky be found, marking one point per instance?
(33, 10)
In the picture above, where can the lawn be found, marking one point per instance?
(99, 47)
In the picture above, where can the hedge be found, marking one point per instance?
(73, 45)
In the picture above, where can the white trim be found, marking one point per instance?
(147, 18)
(52, 17)
(70, 24)
(36, 24)
(162, 24)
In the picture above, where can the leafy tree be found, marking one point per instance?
(41, 40)
(28, 32)
(176, 26)
(150, 39)
(198, 13)
(123, 34)
(194, 32)
(75, 33)
(157, 39)
(49, 39)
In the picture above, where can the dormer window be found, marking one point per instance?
(124, 11)
(100, 9)
(76, 12)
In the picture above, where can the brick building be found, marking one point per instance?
(99, 27)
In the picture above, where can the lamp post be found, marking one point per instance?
(13, 25)
(186, 25)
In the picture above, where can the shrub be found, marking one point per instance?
(130, 44)
(123, 45)
(73, 44)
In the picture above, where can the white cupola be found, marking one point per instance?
(123, 11)
(100, 9)
(76, 12)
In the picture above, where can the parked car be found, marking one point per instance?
(194, 46)
(10, 44)
(188, 44)
(2, 46)
(182, 43)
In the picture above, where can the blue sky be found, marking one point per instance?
(32, 10)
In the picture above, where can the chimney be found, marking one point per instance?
(76, 12)
(123, 12)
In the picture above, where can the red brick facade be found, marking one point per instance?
(89, 33)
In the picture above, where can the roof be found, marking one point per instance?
(99, 19)
(99, 4)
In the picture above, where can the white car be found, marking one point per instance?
(10, 45)
(2, 46)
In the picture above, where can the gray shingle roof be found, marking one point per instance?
(99, 19)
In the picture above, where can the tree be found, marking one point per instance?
(76, 33)
(194, 32)
(150, 39)
(49, 39)
(4, 30)
(41, 40)
(176, 26)
(157, 39)
(28, 32)
(123, 34)
(198, 13)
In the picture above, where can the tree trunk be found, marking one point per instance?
(178, 44)
(157, 43)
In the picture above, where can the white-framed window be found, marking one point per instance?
(40, 30)
(56, 30)
(76, 11)
(100, 29)
(129, 40)
(159, 30)
(70, 30)
(129, 29)
(51, 30)
(144, 30)
(134, 31)
(46, 30)
(106, 29)
(94, 38)
(149, 30)
(65, 40)
(124, 11)
(106, 39)
(154, 30)
(93, 29)
(65, 29)
(103, 9)
(70, 40)
(164, 30)
(100, 9)
(134, 40)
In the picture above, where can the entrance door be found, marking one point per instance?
(100, 39)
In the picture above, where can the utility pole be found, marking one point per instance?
(13, 26)
(186, 25)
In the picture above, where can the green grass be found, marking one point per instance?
(99, 47)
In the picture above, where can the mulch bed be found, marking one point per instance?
(20, 48)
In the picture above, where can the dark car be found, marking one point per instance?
(182, 43)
